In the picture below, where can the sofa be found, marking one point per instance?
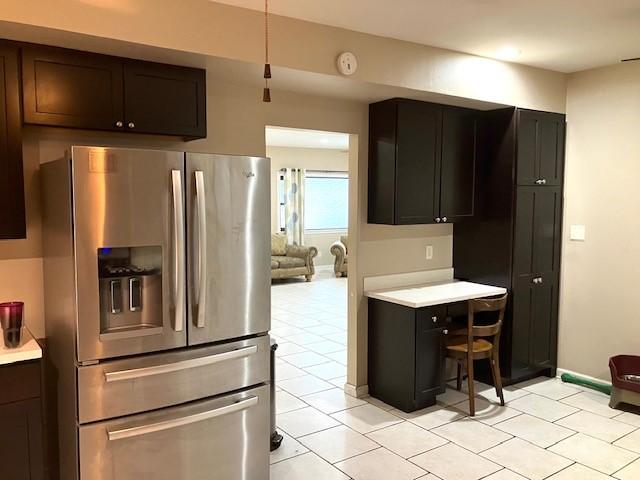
(340, 250)
(289, 261)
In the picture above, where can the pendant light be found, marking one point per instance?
(266, 93)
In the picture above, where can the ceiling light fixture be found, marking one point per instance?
(508, 52)
(266, 93)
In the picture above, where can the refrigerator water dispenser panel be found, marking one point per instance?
(130, 280)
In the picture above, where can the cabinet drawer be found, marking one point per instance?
(431, 317)
(224, 438)
(124, 387)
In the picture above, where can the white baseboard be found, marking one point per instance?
(357, 392)
(560, 371)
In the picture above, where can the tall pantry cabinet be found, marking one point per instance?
(514, 240)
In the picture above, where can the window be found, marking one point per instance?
(281, 198)
(326, 201)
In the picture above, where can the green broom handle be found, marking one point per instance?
(601, 387)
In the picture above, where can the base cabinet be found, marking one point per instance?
(21, 441)
(406, 361)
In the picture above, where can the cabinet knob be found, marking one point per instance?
(437, 219)
(435, 319)
(543, 181)
(119, 124)
(445, 331)
(131, 125)
(539, 280)
(444, 219)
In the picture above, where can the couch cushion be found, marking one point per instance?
(274, 264)
(288, 262)
(278, 244)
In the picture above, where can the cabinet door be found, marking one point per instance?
(417, 162)
(12, 214)
(457, 179)
(540, 151)
(165, 99)
(535, 317)
(537, 230)
(21, 452)
(67, 88)
(430, 355)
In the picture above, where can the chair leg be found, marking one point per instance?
(459, 377)
(497, 379)
(472, 393)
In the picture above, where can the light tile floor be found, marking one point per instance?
(549, 430)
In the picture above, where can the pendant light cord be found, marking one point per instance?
(266, 31)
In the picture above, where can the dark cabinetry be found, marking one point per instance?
(21, 442)
(540, 149)
(165, 99)
(12, 218)
(406, 358)
(422, 161)
(515, 239)
(67, 88)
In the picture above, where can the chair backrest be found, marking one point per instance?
(486, 305)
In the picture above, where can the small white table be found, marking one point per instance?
(436, 293)
(27, 350)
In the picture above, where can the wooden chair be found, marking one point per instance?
(477, 342)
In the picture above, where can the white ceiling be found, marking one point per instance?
(294, 137)
(561, 35)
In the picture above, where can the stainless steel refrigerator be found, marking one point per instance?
(157, 311)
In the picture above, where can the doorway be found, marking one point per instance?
(310, 265)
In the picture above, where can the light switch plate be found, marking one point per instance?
(577, 233)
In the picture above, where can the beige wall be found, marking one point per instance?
(209, 28)
(310, 159)
(599, 314)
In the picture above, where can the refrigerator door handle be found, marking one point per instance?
(178, 252)
(182, 421)
(201, 268)
(137, 373)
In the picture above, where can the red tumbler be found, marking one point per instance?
(11, 322)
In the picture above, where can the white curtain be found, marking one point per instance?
(294, 205)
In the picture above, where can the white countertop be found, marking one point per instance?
(27, 350)
(451, 291)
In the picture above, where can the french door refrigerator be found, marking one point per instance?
(157, 312)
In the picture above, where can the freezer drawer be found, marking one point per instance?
(125, 387)
(226, 438)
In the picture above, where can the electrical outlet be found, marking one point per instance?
(429, 252)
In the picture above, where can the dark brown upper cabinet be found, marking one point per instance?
(68, 88)
(12, 208)
(65, 88)
(540, 148)
(165, 99)
(458, 171)
(422, 161)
